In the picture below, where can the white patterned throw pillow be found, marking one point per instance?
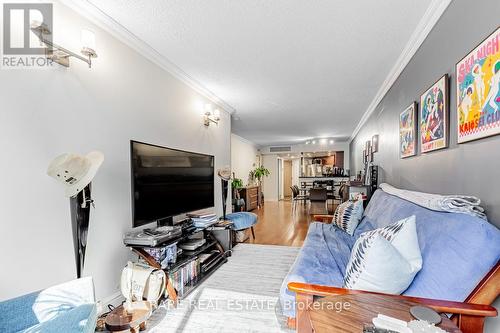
(347, 215)
(386, 259)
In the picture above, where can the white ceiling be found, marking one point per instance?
(292, 69)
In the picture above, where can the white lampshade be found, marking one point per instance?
(217, 113)
(88, 39)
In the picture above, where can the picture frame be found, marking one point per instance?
(375, 143)
(434, 116)
(477, 82)
(408, 131)
(368, 145)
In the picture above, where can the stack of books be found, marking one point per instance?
(185, 276)
(203, 220)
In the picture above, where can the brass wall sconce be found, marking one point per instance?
(211, 115)
(61, 55)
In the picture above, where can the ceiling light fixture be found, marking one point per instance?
(322, 141)
(59, 54)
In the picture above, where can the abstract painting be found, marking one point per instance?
(434, 116)
(407, 131)
(478, 96)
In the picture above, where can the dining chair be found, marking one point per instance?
(296, 196)
(318, 201)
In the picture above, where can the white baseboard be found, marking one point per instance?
(115, 299)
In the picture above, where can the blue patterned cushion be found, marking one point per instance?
(385, 259)
(347, 215)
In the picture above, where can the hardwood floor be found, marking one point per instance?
(279, 225)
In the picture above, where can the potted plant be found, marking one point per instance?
(236, 185)
(259, 173)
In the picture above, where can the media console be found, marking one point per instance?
(191, 267)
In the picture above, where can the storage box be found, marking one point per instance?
(165, 255)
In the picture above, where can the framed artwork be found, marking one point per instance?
(408, 131)
(375, 143)
(434, 112)
(478, 96)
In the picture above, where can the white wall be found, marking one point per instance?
(296, 171)
(47, 112)
(270, 184)
(244, 157)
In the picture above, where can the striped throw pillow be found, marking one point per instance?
(347, 215)
(385, 259)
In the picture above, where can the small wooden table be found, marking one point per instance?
(362, 308)
(135, 320)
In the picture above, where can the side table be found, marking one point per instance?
(326, 317)
(135, 320)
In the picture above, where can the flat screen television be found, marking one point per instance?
(168, 182)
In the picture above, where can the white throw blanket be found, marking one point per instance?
(464, 204)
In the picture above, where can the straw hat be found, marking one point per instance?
(75, 171)
(224, 173)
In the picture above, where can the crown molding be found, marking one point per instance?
(108, 24)
(431, 16)
(242, 139)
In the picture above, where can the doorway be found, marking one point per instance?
(287, 179)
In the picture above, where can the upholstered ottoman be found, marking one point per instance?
(242, 221)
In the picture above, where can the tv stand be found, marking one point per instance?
(212, 245)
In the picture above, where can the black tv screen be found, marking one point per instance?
(168, 182)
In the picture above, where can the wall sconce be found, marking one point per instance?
(211, 115)
(58, 53)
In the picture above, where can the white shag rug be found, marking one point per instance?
(241, 296)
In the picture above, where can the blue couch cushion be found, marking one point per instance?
(81, 319)
(322, 260)
(10, 320)
(242, 220)
(458, 250)
(67, 307)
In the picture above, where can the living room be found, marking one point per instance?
(290, 131)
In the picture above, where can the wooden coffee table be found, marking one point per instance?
(362, 309)
(135, 320)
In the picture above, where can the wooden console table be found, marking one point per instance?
(252, 197)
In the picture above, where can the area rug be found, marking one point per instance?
(241, 296)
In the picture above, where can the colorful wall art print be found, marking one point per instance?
(408, 131)
(478, 96)
(434, 116)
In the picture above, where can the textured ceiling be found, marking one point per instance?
(292, 69)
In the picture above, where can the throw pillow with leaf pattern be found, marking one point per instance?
(385, 259)
(348, 215)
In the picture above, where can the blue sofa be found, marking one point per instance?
(458, 250)
(69, 307)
